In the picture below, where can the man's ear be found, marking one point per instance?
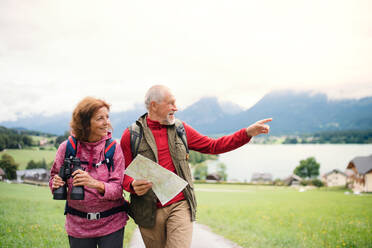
(153, 106)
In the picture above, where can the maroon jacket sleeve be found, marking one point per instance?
(58, 161)
(125, 146)
(204, 144)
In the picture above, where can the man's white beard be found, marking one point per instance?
(170, 120)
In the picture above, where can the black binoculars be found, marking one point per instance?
(77, 192)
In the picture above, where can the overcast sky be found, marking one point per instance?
(53, 53)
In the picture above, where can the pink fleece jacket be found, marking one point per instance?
(95, 202)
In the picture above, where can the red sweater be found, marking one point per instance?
(195, 140)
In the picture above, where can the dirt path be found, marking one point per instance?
(202, 238)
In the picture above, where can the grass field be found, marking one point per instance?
(38, 138)
(265, 216)
(252, 216)
(23, 156)
(29, 217)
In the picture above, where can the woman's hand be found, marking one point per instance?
(57, 182)
(82, 178)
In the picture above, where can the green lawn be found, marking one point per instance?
(38, 138)
(23, 156)
(29, 217)
(265, 216)
(252, 216)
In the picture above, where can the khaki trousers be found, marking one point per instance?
(173, 227)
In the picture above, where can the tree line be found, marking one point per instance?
(10, 138)
(333, 137)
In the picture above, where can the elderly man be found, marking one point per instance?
(170, 225)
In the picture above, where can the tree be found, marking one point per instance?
(31, 165)
(60, 139)
(43, 164)
(200, 171)
(27, 140)
(34, 165)
(290, 140)
(308, 168)
(9, 166)
(2, 143)
(221, 171)
(197, 157)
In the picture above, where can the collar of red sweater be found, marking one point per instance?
(154, 124)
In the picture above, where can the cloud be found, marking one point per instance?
(54, 53)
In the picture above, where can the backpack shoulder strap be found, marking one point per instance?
(109, 152)
(136, 133)
(180, 129)
(71, 147)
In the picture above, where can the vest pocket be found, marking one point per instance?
(180, 151)
(143, 209)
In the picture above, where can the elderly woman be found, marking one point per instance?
(99, 218)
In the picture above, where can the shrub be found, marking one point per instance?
(9, 166)
(317, 183)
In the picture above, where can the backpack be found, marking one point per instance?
(136, 134)
(109, 152)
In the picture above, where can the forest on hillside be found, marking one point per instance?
(333, 137)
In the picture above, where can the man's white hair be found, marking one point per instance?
(155, 94)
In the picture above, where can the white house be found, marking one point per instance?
(40, 174)
(334, 178)
(362, 178)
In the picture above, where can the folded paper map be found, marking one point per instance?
(165, 184)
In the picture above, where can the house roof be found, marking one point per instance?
(362, 164)
(213, 176)
(293, 177)
(31, 172)
(337, 171)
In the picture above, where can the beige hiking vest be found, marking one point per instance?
(143, 208)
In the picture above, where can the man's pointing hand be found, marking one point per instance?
(259, 127)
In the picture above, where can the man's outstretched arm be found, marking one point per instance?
(205, 144)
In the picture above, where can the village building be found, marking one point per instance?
(213, 177)
(261, 178)
(334, 178)
(2, 174)
(349, 177)
(43, 142)
(36, 175)
(292, 180)
(362, 178)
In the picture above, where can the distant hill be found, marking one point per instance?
(296, 113)
(292, 113)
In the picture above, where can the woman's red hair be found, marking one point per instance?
(83, 113)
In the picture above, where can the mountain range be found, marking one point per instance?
(292, 113)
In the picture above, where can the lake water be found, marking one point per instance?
(281, 160)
